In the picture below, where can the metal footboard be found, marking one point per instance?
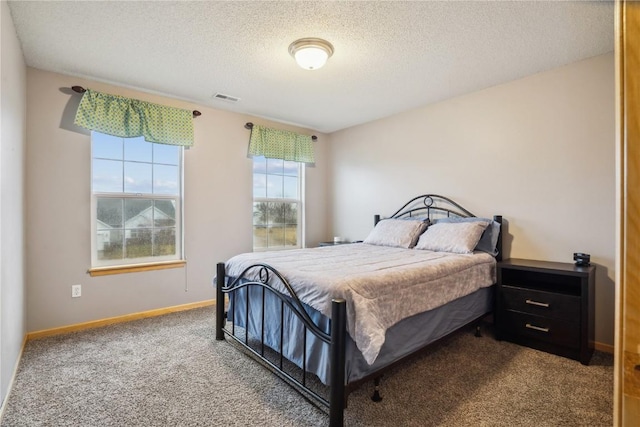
(336, 339)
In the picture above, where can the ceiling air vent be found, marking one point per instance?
(224, 97)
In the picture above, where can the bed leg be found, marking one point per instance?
(478, 332)
(220, 277)
(337, 393)
(376, 390)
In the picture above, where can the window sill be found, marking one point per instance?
(135, 268)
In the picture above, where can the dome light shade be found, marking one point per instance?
(311, 53)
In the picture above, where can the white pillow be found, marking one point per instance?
(399, 233)
(456, 237)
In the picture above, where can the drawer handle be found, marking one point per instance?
(537, 328)
(539, 304)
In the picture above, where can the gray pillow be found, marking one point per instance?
(489, 240)
(456, 237)
(400, 233)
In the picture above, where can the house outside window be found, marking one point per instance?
(277, 204)
(136, 201)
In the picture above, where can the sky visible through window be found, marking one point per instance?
(136, 166)
(274, 178)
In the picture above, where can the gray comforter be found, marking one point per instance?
(382, 285)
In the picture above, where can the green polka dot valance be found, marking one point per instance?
(130, 118)
(280, 144)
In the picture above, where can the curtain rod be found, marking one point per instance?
(249, 125)
(80, 89)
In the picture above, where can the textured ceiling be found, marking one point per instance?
(389, 56)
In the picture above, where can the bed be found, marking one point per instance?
(344, 314)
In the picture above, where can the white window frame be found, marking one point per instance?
(300, 229)
(179, 224)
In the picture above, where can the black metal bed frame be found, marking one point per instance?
(422, 206)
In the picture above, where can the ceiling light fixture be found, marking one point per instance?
(311, 53)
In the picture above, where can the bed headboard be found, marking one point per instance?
(433, 206)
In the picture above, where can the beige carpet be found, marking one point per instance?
(170, 371)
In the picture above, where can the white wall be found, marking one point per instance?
(218, 208)
(12, 142)
(540, 151)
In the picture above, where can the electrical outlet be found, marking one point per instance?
(76, 291)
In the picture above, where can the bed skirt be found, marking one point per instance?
(401, 339)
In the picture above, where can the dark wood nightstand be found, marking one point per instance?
(548, 306)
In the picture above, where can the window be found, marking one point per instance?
(277, 204)
(136, 201)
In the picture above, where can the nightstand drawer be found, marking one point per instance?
(541, 303)
(554, 331)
